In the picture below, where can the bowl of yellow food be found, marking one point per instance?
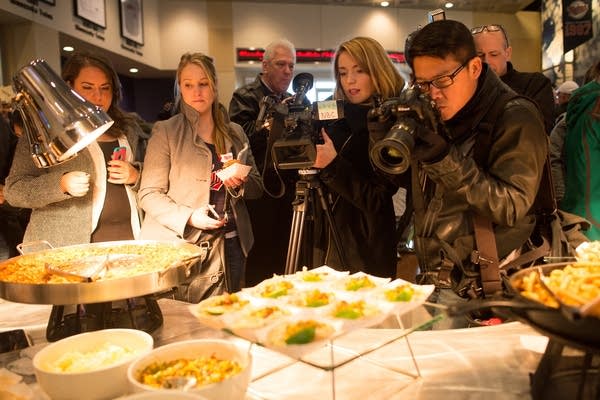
(91, 365)
(212, 368)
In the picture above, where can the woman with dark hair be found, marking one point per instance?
(90, 197)
(181, 191)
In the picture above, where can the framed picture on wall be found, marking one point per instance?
(93, 11)
(132, 20)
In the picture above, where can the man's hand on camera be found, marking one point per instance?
(326, 152)
(430, 147)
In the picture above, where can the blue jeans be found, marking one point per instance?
(235, 264)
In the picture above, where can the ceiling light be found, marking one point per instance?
(68, 48)
(384, 3)
(133, 70)
(449, 4)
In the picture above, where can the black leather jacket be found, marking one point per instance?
(362, 210)
(504, 191)
(537, 87)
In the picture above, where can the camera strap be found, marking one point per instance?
(486, 254)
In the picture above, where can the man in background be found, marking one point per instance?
(563, 94)
(493, 47)
(271, 215)
(582, 147)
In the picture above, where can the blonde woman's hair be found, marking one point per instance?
(218, 111)
(373, 60)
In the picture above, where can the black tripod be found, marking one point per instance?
(305, 187)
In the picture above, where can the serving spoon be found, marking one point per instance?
(183, 383)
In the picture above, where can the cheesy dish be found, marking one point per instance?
(129, 260)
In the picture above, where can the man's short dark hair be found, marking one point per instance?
(441, 39)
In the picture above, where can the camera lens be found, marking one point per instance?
(392, 153)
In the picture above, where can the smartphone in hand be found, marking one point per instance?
(119, 153)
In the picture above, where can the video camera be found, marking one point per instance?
(407, 114)
(294, 126)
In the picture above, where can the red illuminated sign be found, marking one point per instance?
(305, 55)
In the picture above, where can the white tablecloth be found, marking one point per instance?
(476, 363)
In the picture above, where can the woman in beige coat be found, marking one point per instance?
(181, 193)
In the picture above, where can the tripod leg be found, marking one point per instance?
(291, 263)
(334, 233)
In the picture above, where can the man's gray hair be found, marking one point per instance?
(279, 43)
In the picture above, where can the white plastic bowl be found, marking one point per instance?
(106, 382)
(232, 388)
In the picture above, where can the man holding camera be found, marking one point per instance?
(481, 166)
(271, 216)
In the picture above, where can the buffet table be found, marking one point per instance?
(487, 362)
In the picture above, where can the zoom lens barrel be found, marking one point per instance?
(392, 153)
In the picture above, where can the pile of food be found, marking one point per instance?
(105, 355)
(575, 284)
(122, 261)
(205, 370)
(309, 307)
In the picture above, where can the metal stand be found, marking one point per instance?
(305, 187)
(326, 359)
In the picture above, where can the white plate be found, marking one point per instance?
(238, 170)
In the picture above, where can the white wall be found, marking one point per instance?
(172, 27)
(183, 27)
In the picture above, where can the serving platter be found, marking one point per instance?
(164, 265)
(268, 312)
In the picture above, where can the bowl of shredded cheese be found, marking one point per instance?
(219, 368)
(91, 365)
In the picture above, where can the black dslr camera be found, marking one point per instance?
(407, 114)
(294, 127)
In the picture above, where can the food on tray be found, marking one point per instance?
(275, 288)
(403, 292)
(105, 355)
(206, 370)
(257, 317)
(312, 298)
(575, 285)
(354, 310)
(300, 332)
(354, 283)
(308, 275)
(31, 268)
(588, 251)
(221, 304)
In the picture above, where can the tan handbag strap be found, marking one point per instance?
(486, 255)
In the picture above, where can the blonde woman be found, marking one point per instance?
(180, 191)
(362, 197)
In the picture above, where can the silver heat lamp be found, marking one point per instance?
(58, 122)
